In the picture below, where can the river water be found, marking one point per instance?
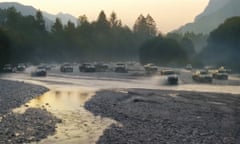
(67, 103)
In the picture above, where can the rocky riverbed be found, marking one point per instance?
(14, 94)
(154, 116)
(32, 125)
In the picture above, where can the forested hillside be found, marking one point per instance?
(216, 13)
(224, 45)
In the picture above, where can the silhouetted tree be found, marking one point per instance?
(162, 51)
(145, 27)
(188, 46)
(40, 20)
(224, 45)
(151, 26)
(4, 48)
(57, 26)
(82, 20)
(103, 39)
(70, 27)
(102, 22)
(114, 22)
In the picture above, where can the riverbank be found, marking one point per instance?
(158, 116)
(13, 94)
(32, 125)
(139, 115)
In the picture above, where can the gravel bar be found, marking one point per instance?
(31, 126)
(14, 94)
(168, 117)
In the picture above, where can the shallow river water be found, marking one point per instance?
(78, 125)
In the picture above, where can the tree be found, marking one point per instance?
(151, 25)
(114, 22)
(57, 26)
(4, 48)
(162, 51)
(145, 26)
(140, 25)
(199, 40)
(70, 27)
(82, 20)
(102, 22)
(58, 44)
(174, 35)
(40, 20)
(12, 17)
(185, 41)
(188, 46)
(103, 39)
(223, 46)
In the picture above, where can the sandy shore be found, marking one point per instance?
(168, 117)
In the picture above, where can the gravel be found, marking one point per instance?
(144, 116)
(14, 94)
(168, 117)
(33, 125)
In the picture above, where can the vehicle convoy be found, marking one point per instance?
(202, 76)
(167, 72)
(227, 70)
(40, 71)
(66, 68)
(87, 67)
(172, 77)
(221, 74)
(48, 67)
(188, 67)
(101, 67)
(210, 69)
(150, 68)
(8, 68)
(121, 68)
(21, 67)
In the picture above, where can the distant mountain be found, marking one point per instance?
(66, 17)
(29, 10)
(212, 7)
(215, 13)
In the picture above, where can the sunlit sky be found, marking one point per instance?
(168, 14)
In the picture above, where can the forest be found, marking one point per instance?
(223, 46)
(26, 39)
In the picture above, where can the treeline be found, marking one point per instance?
(173, 49)
(25, 39)
(163, 51)
(224, 45)
(106, 39)
(222, 48)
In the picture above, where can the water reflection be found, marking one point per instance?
(79, 125)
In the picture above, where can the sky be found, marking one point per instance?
(168, 14)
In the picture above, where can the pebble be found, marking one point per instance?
(151, 116)
(31, 126)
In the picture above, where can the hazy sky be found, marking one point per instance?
(168, 14)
